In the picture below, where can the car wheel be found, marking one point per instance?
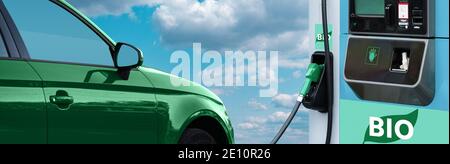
(197, 136)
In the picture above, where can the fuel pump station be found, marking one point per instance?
(391, 78)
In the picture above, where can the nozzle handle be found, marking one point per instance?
(312, 76)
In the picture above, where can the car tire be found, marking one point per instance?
(197, 136)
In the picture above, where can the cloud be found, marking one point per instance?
(231, 24)
(279, 116)
(253, 123)
(295, 136)
(261, 129)
(297, 74)
(290, 43)
(294, 63)
(257, 105)
(259, 122)
(222, 24)
(266, 25)
(248, 125)
(287, 101)
(209, 16)
(96, 8)
(284, 100)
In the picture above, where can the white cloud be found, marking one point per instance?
(237, 25)
(292, 43)
(259, 122)
(285, 100)
(279, 116)
(296, 132)
(241, 136)
(248, 125)
(297, 74)
(222, 24)
(253, 123)
(294, 63)
(296, 136)
(96, 8)
(193, 16)
(257, 105)
(258, 129)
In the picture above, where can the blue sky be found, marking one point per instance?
(160, 27)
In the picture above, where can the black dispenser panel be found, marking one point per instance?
(391, 69)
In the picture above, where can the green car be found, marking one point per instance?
(63, 80)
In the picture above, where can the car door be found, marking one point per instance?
(86, 100)
(22, 112)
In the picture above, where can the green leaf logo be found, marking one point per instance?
(390, 129)
(372, 56)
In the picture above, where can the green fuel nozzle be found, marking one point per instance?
(312, 76)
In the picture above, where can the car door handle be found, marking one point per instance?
(62, 100)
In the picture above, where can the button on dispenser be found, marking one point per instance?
(372, 55)
(403, 14)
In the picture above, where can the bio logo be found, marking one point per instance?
(320, 37)
(390, 129)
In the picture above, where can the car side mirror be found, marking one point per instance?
(127, 57)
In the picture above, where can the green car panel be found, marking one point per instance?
(105, 108)
(187, 102)
(22, 112)
(51, 102)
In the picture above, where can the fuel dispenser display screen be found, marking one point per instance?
(369, 8)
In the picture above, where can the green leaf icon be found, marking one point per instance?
(412, 117)
(372, 56)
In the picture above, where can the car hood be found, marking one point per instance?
(162, 80)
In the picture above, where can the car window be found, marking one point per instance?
(3, 52)
(51, 33)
